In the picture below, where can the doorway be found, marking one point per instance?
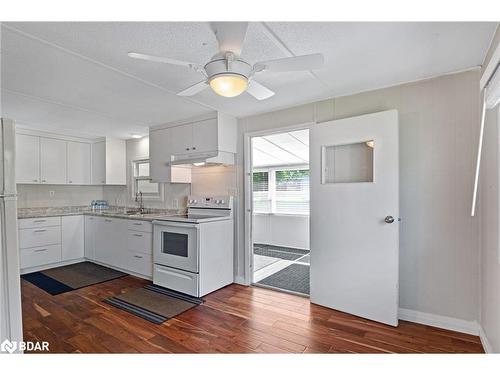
(280, 211)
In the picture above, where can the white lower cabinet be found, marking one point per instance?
(120, 243)
(39, 256)
(72, 237)
(90, 233)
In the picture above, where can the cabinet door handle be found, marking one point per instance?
(44, 180)
(35, 180)
(187, 148)
(137, 235)
(40, 230)
(40, 250)
(70, 182)
(194, 148)
(138, 256)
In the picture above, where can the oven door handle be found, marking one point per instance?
(176, 224)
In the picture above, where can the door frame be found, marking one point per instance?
(248, 189)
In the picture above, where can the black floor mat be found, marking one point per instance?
(294, 278)
(279, 252)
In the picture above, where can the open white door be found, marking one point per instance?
(354, 182)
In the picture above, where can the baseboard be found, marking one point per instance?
(484, 340)
(440, 321)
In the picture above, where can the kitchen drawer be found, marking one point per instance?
(140, 241)
(138, 263)
(39, 256)
(39, 237)
(39, 222)
(181, 281)
(140, 225)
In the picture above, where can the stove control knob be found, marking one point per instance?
(221, 201)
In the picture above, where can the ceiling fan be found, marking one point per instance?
(226, 73)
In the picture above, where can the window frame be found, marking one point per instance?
(135, 178)
(272, 188)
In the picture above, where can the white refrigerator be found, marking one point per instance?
(10, 287)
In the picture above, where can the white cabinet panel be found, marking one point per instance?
(138, 262)
(90, 234)
(53, 161)
(140, 225)
(39, 256)
(181, 139)
(39, 222)
(27, 159)
(141, 242)
(78, 163)
(159, 154)
(116, 162)
(110, 241)
(98, 163)
(39, 237)
(72, 237)
(205, 136)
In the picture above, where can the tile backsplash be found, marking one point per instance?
(56, 195)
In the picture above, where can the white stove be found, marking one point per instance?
(193, 253)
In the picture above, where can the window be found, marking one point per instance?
(281, 191)
(142, 182)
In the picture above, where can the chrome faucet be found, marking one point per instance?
(138, 199)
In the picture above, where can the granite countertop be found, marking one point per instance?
(118, 212)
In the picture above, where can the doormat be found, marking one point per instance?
(74, 276)
(294, 278)
(154, 303)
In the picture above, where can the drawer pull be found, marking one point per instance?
(138, 256)
(108, 220)
(180, 275)
(40, 230)
(137, 235)
(39, 221)
(138, 224)
(40, 250)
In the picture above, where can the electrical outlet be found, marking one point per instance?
(52, 193)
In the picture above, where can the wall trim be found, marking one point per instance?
(471, 327)
(240, 280)
(484, 341)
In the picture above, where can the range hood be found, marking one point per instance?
(210, 158)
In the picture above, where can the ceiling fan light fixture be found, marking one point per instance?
(229, 85)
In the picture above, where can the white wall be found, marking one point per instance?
(281, 230)
(439, 270)
(488, 212)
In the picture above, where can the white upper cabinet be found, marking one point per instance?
(109, 162)
(58, 159)
(98, 163)
(78, 163)
(27, 159)
(205, 136)
(211, 139)
(52, 161)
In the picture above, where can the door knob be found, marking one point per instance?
(389, 219)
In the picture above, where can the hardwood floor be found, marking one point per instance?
(236, 319)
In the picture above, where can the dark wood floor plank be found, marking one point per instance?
(235, 319)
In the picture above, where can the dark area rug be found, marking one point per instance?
(74, 276)
(294, 278)
(154, 303)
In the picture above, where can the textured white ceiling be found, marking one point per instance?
(77, 76)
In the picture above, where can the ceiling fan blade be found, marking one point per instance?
(289, 64)
(259, 91)
(161, 59)
(194, 89)
(230, 35)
